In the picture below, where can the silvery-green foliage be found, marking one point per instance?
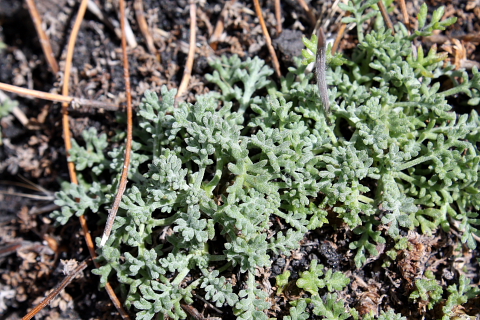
(459, 295)
(298, 312)
(209, 180)
(389, 315)
(217, 289)
(423, 155)
(330, 307)
(428, 290)
(252, 74)
(92, 155)
(314, 281)
(92, 197)
(252, 301)
(311, 282)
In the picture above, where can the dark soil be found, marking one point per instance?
(33, 161)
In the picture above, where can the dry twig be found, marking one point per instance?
(47, 195)
(57, 289)
(406, 19)
(219, 27)
(126, 30)
(340, 34)
(191, 50)
(68, 65)
(278, 16)
(276, 64)
(27, 184)
(66, 101)
(309, 11)
(57, 97)
(128, 147)
(68, 146)
(192, 311)
(20, 115)
(142, 23)
(112, 24)
(385, 16)
(93, 8)
(44, 40)
(30, 196)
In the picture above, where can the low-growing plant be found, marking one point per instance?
(6, 106)
(428, 290)
(210, 180)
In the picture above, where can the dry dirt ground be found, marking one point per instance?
(32, 155)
